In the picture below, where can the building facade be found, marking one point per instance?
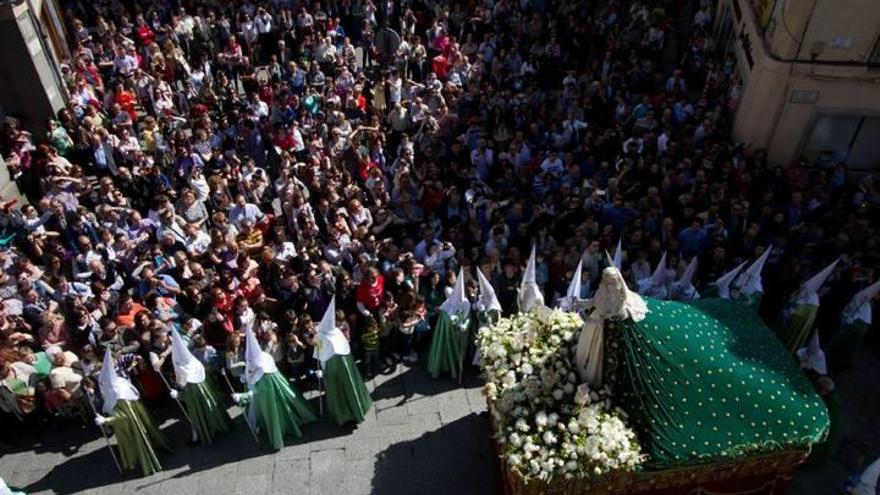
(809, 78)
(33, 40)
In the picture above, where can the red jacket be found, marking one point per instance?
(371, 295)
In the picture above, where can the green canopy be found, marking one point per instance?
(705, 381)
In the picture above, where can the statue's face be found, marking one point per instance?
(611, 295)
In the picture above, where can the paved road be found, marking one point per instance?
(423, 436)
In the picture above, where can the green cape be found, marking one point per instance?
(347, 397)
(205, 410)
(280, 409)
(137, 436)
(705, 381)
(797, 328)
(447, 345)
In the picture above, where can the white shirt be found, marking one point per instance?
(198, 243)
(249, 30)
(264, 23)
(249, 211)
(663, 143)
(552, 166)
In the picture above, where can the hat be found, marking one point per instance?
(331, 340)
(617, 259)
(655, 285)
(488, 299)
(723, 282)
(809, 291)
(257, 362)
(749, 282)
(859, 308)
(114, 387)
(530, 296)
(187, 368)
(812, 357)
(684, 286)
(573, 293)
(457, 303)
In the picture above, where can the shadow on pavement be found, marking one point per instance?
(457, 458)
(94, 469)
(415, 382)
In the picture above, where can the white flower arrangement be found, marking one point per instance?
(549, 425)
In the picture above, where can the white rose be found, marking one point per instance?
(515, 439)
(541, 419)
(549, 438)
(514, 460)
(509, 379)
(558, 394)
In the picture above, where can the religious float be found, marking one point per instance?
(625, 394)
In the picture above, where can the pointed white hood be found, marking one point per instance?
(113, 387)
(723, 282)
(809, 291)
(684, 286)
(457, 303)
(331, 340)
(868, 480)
(488, 299)
(655, 285)
(574, 289)
(258, 363)
(750, 282)
(859, 308)
(812, 357)
(187, 369)
(530, 296)
(617, 259)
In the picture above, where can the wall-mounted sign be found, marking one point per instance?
(801, 96)
(841, 42)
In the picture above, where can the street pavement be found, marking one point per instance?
(422, 436)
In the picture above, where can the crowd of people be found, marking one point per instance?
(224, 166)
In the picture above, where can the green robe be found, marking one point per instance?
(205, 410)
(843, 345)
(797, 328)
(447, 345)
(137, 436)
(347, 397)
(279, 408)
